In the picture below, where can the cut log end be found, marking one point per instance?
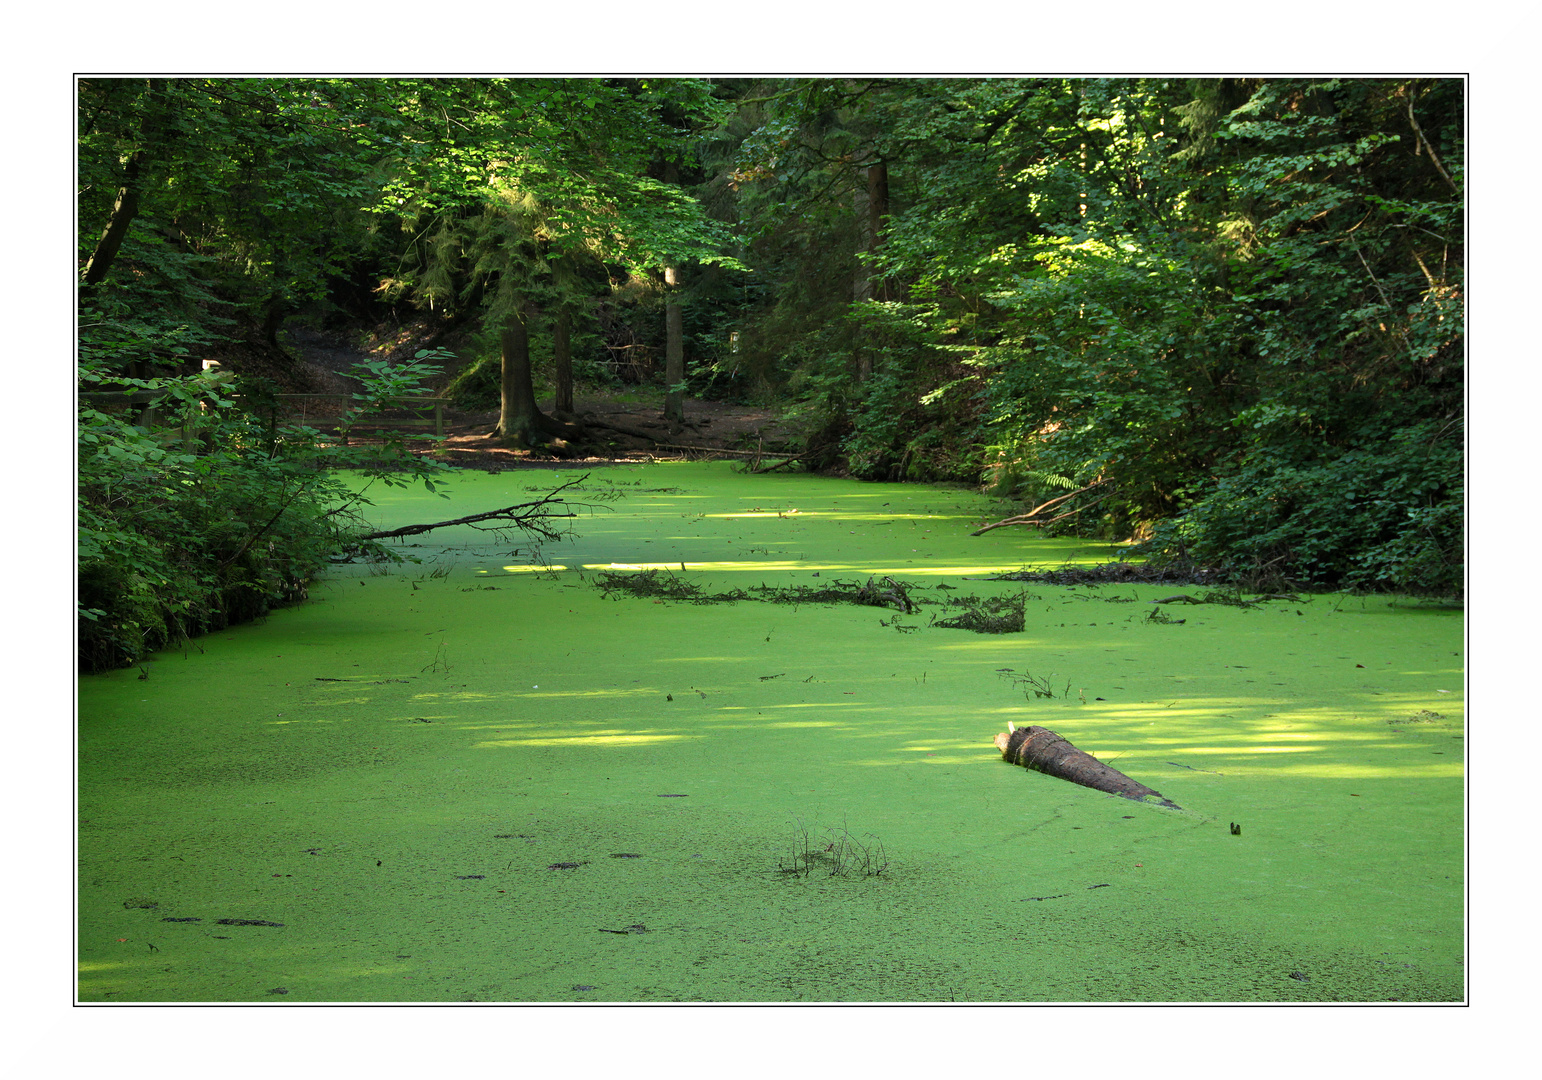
(1044, 751)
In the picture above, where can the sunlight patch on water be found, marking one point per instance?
(1437, 771)
(769, 565)
(602, 738)
(842, 515)
(1241, 747)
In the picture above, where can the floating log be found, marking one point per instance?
(1043, 751)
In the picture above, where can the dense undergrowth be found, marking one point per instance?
(208, 515)
(1223, 316)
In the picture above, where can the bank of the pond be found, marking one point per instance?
(477, 777)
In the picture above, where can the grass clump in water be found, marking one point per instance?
(836, 854)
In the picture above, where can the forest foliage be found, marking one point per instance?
(1222, 317)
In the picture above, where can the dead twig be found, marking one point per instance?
(529, 516)
(1028, 518)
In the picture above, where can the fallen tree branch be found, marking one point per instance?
(713, 450)
(1028, 518)
(757, 467)
(896, 595)
(529, 516)
(633, 432)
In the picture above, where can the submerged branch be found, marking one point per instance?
(530, 516)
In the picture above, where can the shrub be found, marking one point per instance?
(1383, 514)
(216, 516)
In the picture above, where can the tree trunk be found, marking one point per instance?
(877, 215)
(674, 354)
(1042, 750)
(273, 314)
(871, 205)
(126, 206)
(563, 354)
(519, 421)
(124, 209)
(674, 333)
(861, 202)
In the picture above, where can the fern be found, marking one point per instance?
(1052, 479)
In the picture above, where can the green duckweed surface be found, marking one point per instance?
(474, 779)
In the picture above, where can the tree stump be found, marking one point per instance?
(1043, 751)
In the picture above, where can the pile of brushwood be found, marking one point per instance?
(986, 614)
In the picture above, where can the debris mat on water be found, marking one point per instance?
(983, 615)
(1120, 573)
(986, 614)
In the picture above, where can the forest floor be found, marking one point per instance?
(629, 422)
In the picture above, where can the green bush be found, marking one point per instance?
(213, 517)
(1383, 514)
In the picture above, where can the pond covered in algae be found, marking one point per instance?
(479, 777)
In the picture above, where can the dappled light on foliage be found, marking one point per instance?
(1219, 317)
